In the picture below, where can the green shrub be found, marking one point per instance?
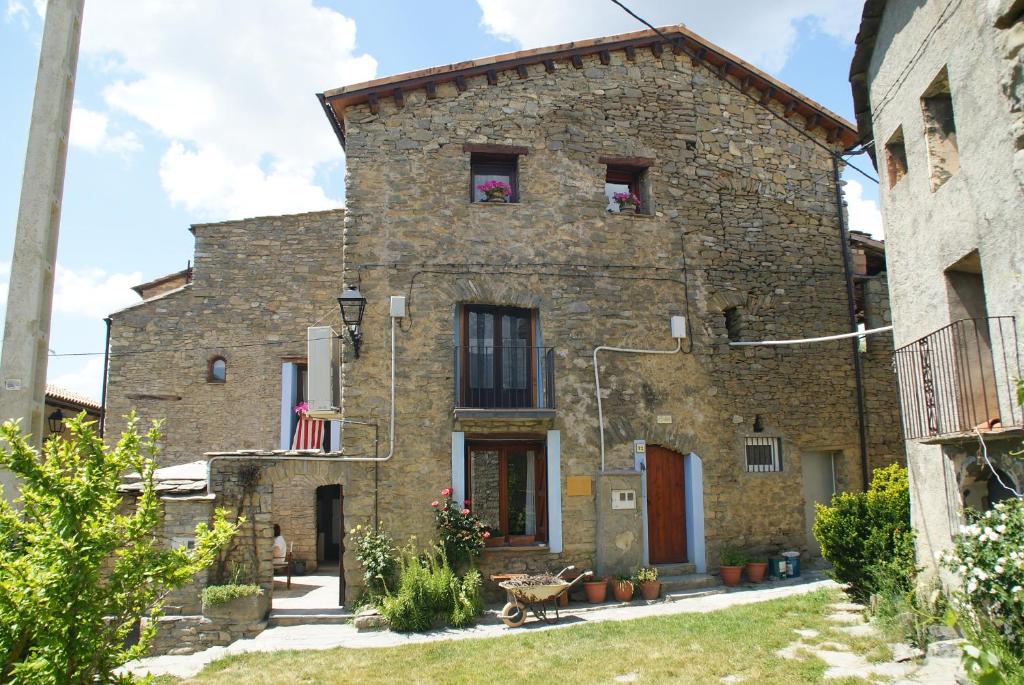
(375, 550)
(222, 594)
(866, 536)
(988, 557)
(77, 571)
(429, 593)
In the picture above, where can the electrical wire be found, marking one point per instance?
(984, 455)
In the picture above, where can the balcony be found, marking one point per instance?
(504, 382)
(960, 378)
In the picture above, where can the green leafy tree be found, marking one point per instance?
(78, 566)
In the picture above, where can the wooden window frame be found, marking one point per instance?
(540, 477)
(497, 311)
(631, 175)
(494, 163)
(210, 377)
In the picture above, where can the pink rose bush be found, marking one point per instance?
(459, 530)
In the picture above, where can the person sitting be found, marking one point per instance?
(280, 547)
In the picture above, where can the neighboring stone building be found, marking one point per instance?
(62, 404)
(506, 303)
(939, 93)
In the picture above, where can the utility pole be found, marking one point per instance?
(30, 295)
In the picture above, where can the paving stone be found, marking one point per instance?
(945, 648)
(862, 630)
(845, 617)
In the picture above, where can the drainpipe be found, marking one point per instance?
(851, 312)
(315, 457)
(106, 367)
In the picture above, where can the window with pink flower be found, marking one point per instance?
(625, 187)
(494, 177)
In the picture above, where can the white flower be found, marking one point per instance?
(972, 585)
(1001, 528)
(998, 569)
(1015, 590)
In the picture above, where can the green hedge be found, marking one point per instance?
(867, 537)
(222, 594)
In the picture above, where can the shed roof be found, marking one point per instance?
(683, 41)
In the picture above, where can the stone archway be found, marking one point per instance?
(294, 505)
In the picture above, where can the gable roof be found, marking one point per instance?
(683, 41)
(61, 395)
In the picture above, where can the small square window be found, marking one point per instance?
(494, 168)
(629, 180)
(896, 157)
(764, 455)
(733, 323)
(940, 131)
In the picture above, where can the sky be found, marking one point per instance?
(189, 111)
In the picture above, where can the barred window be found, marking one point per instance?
(764, 455)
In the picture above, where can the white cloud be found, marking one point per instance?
(87, 379)
(863, 212)
(761, 32)
(230, 84)
(92, 292)
(16, 10)
(91, 131)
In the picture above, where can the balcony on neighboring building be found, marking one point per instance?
(509, 382)
(960, 379)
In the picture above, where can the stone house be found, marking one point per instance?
(939, 94)
(62, 404)
(512, 311)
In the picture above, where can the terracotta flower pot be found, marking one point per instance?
(731, 575)
(521, 540)
(495, 541)
(623, 590)
(650, 589)
(755, 571)
(597, 590)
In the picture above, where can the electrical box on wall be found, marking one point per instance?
(678, 326)
(398, 306)
(623, 499)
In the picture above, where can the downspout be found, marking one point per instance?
(851, 311)
(106, 368)
(315, 457)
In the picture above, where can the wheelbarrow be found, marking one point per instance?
(535, 598)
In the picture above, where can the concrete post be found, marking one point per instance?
(30, 297)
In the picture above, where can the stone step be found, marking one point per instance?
(682, 582)
(300, 617)
(675, 569)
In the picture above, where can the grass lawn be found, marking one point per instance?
(687, 648)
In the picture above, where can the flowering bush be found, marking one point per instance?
(375, 550)
(988, 556)
(461, 532)
(624, 199)
(494, 188)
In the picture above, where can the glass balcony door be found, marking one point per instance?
(497, 357)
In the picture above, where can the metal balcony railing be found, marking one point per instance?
(959, 378)
(505, 377)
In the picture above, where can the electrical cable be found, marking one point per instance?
(984, 455)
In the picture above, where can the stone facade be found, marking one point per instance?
(743, 218)
(951, 199)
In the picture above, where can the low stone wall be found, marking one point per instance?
(194, 633)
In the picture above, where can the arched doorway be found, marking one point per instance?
(666, 506)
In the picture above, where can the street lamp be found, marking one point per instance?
(352, 304)
(56, 422)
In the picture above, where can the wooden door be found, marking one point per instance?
(666, 506)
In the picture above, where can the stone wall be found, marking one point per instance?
(257, 285)
(194, 633)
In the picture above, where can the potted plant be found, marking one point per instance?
(495, 191)
(493, 537)
(650, 586)
(596, 588)
(521, 540)
(756, 567)
(240, 603)
(622, 588)
(627, 202)
(731, 569)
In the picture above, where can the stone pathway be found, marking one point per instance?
(904, 668)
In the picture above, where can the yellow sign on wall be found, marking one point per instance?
(578, 486)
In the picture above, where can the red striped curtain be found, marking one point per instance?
(309, 434)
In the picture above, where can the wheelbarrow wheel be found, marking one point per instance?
(513, 615)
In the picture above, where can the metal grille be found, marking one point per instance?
(959, 377)
(764, 455)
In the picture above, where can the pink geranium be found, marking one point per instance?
(624, 199)
(302, 408)
(494, 188)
